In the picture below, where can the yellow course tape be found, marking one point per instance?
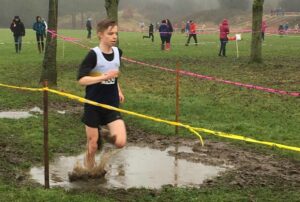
(83, 100)
(246, 139)
(192, 129)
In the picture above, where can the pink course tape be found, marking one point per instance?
(250, 86)
(183, 72)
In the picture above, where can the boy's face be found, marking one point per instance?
(109, 36)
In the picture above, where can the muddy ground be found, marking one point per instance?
(249, 167)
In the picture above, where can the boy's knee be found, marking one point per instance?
(120, 143)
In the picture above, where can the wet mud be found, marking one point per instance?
(246, 166)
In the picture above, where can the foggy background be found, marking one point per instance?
(73, 13)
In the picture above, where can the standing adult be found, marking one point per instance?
(297, 27)
(192, 33)
(169, 34)
(286, 27)
(182, 27)
(163, 31)
(224, 31)
(187, 28)
(263, 29)
(18, 29)
(39, 28)
(281, 30)
(46, 27)
(89, 28)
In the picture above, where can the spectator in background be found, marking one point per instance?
(263, 29)
(281, 30)
(192, 33)
(182, 27)
(163, 31)
(46, 27)
(224, 31)
(187, 28)
(297, 27)
(286, 27)
(89, 28)
(39, 28)
(169, 35)
(142, 25)
(203, 27)
(157, 26)
(18, 29)
(151, 35)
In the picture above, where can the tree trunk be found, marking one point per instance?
(49, 64)
(111, 7)
(256, 42)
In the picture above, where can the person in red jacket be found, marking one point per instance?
(192, 33)
(224, 31)
(263, 29)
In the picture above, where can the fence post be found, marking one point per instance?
(46, 153)
(177, 96)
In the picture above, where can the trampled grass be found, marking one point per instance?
(203, 103)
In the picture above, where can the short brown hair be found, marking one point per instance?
(104, 24)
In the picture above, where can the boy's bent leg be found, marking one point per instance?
(118, 130)
(92, 137)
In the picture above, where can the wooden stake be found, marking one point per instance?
(46, 153)
(177, 96)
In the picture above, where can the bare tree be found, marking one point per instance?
(256, 41)
(49, 64)
(111, 7)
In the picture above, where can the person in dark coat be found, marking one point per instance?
(281, 30)
(163, 31)
(151, 30)
(169, 34)
(224, 31)
(89, 28)
(18, 29)
(39, 27)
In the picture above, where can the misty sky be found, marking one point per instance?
(175, 9)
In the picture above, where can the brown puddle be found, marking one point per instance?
(134, 166)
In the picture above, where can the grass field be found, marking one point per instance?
(203, 103)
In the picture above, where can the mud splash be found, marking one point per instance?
(133, 166)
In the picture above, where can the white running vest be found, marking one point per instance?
(103, 66)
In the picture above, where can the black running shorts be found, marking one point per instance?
(97, 116)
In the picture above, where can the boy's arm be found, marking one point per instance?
(90, 80)
(121, 95)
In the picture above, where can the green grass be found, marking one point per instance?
(203, 103)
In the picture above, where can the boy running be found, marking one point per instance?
(99, 72)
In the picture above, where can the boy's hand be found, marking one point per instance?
(111, 74)
(121, 96)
